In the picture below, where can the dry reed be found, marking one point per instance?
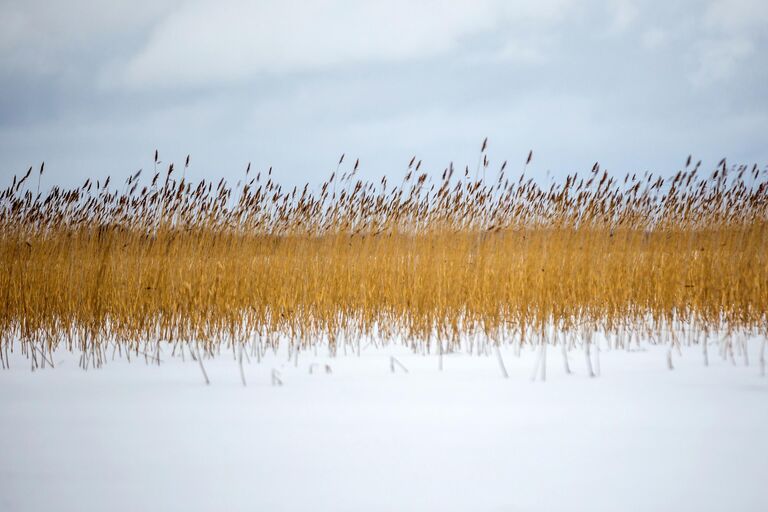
(435, 263)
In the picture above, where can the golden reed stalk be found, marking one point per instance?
(422, 261)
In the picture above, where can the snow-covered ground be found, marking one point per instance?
(137, 437)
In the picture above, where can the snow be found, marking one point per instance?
(133, 436)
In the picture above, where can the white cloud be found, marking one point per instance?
(730, 31)
(623, 15)
(720, 58)
(219, 42)
(653, 38)
(35, 33)
(737, 16)
(525, 51)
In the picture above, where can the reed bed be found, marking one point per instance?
(440, 263)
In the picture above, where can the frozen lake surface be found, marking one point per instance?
(132, 436)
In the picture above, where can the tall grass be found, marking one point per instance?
(434, 263)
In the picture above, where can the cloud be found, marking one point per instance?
(220, 42)
(653, 38)
(525, 51)
(623, 15)
(720, 58)
(737, 16)
(92, 86)
(36, 34)
(730, 32)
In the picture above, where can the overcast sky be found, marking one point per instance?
(93, 87)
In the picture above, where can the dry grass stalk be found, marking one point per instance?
(436, 263)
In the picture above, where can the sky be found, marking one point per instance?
(93, 88)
